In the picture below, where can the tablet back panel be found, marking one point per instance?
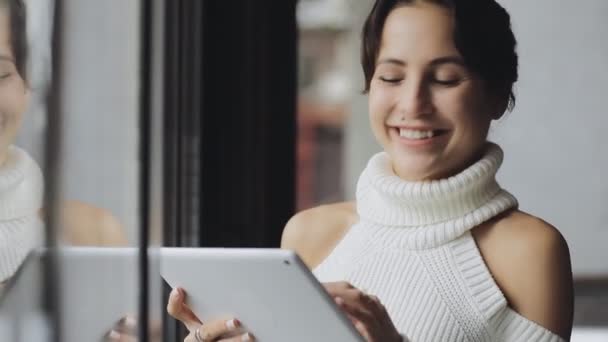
(270, 291)
(98, 287)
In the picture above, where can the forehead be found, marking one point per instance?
(418, 31)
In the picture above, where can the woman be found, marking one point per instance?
(21, 183)
(433, 249)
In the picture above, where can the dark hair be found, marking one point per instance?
(18, 33)
(482, 35)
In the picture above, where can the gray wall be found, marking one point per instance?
(555, 151)
(101, 106)
(554, 141)
(100, 151)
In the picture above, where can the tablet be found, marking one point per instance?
(97, 287)
(100, 285)
(270, 291)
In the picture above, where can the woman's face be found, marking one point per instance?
(427, 110)
(13, 89)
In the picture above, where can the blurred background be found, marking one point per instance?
(294, 100)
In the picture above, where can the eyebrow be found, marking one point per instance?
(448, 60)
(6, 58)
(391, 61)
(435, 62)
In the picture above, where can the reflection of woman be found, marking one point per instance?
(20, 177)
(433, 249)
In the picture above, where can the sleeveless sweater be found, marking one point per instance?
(412, 247)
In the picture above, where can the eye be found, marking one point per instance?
(446, 77)
(390, 79)
(447, 82)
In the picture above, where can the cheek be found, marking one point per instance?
(13, 103)
(465, 109)
(380, 102)
(378, 112)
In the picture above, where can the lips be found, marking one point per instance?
(419, 133)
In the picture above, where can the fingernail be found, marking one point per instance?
(176, 293)
(246, 337)
(233, 324)
(359, 325)
(115, 335)
(339, 300)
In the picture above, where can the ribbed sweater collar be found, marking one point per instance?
(20, 185)
(21, 191)
(432, 212)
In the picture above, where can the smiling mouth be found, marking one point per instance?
(415, 134)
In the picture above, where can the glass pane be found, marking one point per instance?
(100, 165)
(96, 191)
(25, 56)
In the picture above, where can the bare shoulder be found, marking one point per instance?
(530, 261)
(86, 225)
(313, 233)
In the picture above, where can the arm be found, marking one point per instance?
(543, 292)
(530, 262)
(86, 225)
(313, 233)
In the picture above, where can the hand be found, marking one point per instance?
(365, 311)
(126, 330)
(221, 330)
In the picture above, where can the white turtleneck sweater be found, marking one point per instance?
(21, 191)
(413, 248)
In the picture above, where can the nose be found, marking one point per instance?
(414, 99)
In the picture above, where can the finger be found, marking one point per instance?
(338, 286)
(348, 292)
(363, 330)
(177, 308)
(352, 318)
(359, 326)
(190, 338)
(215, 329)
(358, 311)
(379, 311)
(373, 304)
(364, 302)
(126, 325)
(239, 338)
(116, 336)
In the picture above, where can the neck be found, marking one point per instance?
(439, 174)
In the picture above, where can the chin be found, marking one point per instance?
(416, 168)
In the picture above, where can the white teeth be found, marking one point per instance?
(415, 134)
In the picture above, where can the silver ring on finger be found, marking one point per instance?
(197, 336)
